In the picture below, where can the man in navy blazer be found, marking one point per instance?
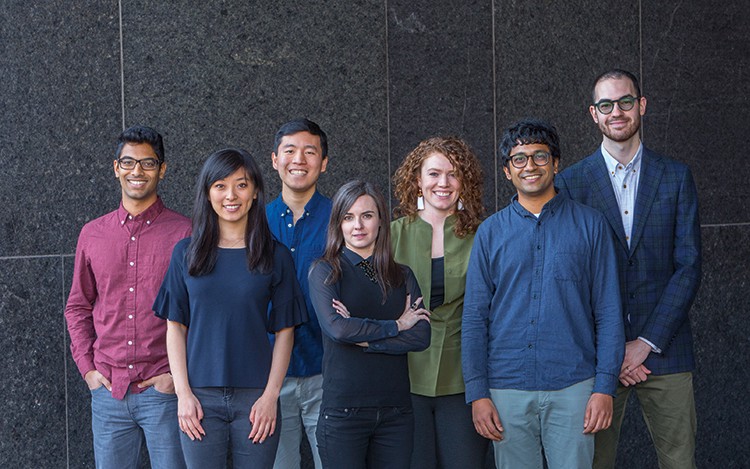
(651, 204)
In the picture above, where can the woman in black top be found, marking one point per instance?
(369, 310)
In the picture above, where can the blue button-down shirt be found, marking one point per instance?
(306, 240)
(542, 307)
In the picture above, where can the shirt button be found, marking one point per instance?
(538, 247)
(130, 316)
(132, 238)
(624, 186)
(130, 342)
(122, 222)
(130, 217)
(292, 249)
(131, 289)
(626, 212)
(132, 263)
(289, 225)
(531, 346)
(131, 366)
(148, 222)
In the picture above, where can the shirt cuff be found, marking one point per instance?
(605, 383)
(476, 390)
(654, 348)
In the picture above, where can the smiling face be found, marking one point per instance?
(619, 125)
(299, 161)
(138, 186)
(360, 226)
(232, 197)
(533, 183)
(439, 185)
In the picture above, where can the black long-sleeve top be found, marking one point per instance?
(373, 376)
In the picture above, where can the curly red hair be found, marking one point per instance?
(468, 172)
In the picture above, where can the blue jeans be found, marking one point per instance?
(366, 437)
(300, 407)
(119, 427)
(226, 421)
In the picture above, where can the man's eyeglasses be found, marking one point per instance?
(606, 106)
(519, 160)
(147, 164)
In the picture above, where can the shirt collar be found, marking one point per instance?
(353, 257)
(549, 207)
(149, 215)
(612, 163)
(310, 208)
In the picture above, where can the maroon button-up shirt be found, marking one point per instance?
(120, 264)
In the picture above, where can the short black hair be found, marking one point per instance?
(141, 134)
(614, 74)
(527, 132)
(301, 125)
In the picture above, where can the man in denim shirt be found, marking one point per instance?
(542, 330)
(298, 218)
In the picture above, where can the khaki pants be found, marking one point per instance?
(668, 407)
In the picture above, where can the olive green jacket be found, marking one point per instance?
(437, 370)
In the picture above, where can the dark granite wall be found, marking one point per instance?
(379, 77)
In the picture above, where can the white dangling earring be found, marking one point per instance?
(420, 201)
(460, 205)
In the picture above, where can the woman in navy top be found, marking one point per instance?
(368, 309)
(226, 288)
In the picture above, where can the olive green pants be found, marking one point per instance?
(668, 408)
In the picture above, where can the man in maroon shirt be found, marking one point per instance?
(117, 343)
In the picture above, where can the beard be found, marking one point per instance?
(622, 134)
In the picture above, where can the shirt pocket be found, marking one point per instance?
(570, 266)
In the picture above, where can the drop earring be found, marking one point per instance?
(460, 205)
(420, 201)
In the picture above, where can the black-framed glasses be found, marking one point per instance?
(147, 164)
(520, 160)
(606, 106)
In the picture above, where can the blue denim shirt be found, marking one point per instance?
(542, 308)
(306, 240)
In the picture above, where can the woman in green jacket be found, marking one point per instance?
(439, 188)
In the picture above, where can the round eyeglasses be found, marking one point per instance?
(520, 160)
(606, 106)
(147, 164)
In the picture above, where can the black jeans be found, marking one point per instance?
(365, 437)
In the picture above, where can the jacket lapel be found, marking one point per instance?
(604, 196)
(652, 170)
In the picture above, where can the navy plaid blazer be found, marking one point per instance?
(661, 270)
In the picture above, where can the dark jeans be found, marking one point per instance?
(445, 436)
(365, 437)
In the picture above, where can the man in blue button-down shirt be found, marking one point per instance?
(542, 330)
(298, 218)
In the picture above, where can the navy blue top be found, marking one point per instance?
(228, 316)
(542, 307)
(373, 376)
(306, 240)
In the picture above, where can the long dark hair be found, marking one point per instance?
(389, 274)
(204, 245)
